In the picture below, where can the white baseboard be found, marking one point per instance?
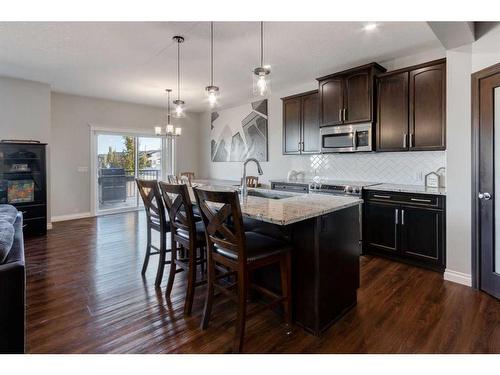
(458, 277)
(80, 215)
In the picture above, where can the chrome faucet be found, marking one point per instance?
(244, 189)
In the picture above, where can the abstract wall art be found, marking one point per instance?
(239, 133)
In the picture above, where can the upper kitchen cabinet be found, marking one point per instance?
(392, 119)
(411, 109)
(301, 123)
(428, 107)
(347, 97)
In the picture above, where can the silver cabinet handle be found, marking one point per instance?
(420, 200)
(382, 196)
(344, 114)
(404, 139)
(340, 114)
(355, 135)
(484, 196)
(396, 216)
(402, 217)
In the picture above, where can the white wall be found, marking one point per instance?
(70, 141)
(458, 197)
(384, 167)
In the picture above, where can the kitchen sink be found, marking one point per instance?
(268, 194)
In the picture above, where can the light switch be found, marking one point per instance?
(83, 169)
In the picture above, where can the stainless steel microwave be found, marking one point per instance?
(346, 138)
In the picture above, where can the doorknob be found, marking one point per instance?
(485, 196)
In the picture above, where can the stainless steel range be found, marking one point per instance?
(352, 188)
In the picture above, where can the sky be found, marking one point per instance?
(117, 143)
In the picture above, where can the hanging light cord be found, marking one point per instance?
(261, 43)
(211, 53)
(178, 69)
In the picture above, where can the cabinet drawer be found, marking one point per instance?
(419, 200)
(32, 212)
(35, 226)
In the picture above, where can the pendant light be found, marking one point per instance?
(170, 131)
(211, 90)
(179, 104)
(261, 74)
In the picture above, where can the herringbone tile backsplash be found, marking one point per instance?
(389, 167)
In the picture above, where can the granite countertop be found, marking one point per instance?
(417, 189)
(294, 207)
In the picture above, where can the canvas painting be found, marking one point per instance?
(239, 133)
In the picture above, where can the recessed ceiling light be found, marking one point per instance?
(370, 27)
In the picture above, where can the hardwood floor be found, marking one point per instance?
(85, 294)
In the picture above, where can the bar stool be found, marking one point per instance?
(189, 234)
(241, 252)
(156, 220)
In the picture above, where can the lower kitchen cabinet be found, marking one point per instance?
(405, 227)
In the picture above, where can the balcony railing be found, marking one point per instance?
(116, 184)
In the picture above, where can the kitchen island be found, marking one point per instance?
(325, 234)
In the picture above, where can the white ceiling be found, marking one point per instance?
(136, 61)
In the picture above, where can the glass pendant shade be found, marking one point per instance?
(157, 130)
(170, 129)
(179, 109)
(261, 81)
(178, 131)
(212, 93)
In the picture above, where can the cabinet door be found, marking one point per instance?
(427, 108)
(331, 97)
(381, 227)
(310, 123)
(291, 125)
(392, 118)
(421, 234)
(357, 97)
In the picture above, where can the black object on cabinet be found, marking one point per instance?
(23, 183)
(406, 227)
(301, 123)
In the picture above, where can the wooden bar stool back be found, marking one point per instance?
(189, 234)
(156, 220)
(240, 252)
(189, 175)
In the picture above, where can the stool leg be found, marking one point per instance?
(148, 252)
(239, 334)
(188, 303)
(210, 290)
(173, 267)
(161, 262)
(286, 287)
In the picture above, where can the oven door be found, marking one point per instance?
(349, 138)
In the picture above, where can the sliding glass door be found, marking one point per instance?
(122, 157)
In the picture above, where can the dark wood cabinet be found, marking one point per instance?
(331, 92)
(301, 123)
(357, 96)
(406, 227)
(421, 233)
(392, 120)
(428, 108)
(348, 97)
(291, 125)
(310, 123)
(382, 236)
(411, 109)
(23, 183)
